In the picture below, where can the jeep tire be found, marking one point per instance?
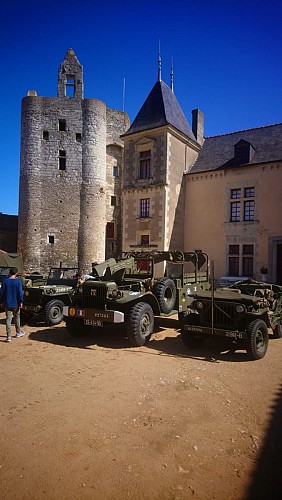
(165, 292)
(257, 339)
(54, 312)
(277, 331)
(140, 324)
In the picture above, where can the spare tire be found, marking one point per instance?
(165, 292)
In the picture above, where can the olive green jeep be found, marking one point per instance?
(48, 296)
(245, 313)
(133, 290)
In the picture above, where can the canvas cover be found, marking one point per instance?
(8, 260)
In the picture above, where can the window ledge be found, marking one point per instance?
(149, 217)
(246, 222)
(140, 181)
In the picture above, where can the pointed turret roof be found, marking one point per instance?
(161, 108)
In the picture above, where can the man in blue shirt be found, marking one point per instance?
(11, 298)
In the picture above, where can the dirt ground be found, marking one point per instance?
(92, 418)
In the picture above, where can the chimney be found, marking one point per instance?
(198, 125)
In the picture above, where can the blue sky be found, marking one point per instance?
(227, 61)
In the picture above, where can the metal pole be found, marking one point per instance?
(212, 296)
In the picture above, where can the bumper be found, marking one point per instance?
(218, 332)
(94, 314)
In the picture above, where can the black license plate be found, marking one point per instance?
(93, 322)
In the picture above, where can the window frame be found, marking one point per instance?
(145, 164)
(145, 204)
(241, 260)
(242, 204)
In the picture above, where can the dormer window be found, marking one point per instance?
(145, 164)
(243, 152)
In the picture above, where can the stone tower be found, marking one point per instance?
(70, 169)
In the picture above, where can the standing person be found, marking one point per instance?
(11, 298)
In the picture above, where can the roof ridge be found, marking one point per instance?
(243, 130)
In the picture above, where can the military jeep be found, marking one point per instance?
(48, 296)
(245, 313)
(136, 288)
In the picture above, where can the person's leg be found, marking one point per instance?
(16, 313)
(9, 316)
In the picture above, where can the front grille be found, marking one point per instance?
(94, 295)
(224, 315)
(33, 298)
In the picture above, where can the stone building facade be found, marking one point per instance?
(221, 194)
(92, 187)
(70, 168)
(234, 204)
(159, 146)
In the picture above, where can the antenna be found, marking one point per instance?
(171, 76)
(123, 94)
(159, 63)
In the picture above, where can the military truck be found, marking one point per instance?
(244, 313)
(8, 260)
(131, 291)
(48, 296)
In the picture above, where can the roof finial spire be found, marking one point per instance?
(171, 76)
(159, 63)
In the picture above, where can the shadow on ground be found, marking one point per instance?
(114, 337)
(266, 481)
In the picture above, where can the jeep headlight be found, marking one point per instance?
(26, 293)
(199, 305)
(115, 294)
(240, 309)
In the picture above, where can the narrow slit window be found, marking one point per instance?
(62, 125)
(110, 230)
(62, 159)
(78, 137)
(51, 239)
(113, 201)
(45, 135)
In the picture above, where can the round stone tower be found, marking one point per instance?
(30, 182)
(91, 240)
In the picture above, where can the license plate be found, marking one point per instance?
(93, 322)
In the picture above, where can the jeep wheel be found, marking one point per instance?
(54, 312)
(76, 327)
(257, 339)
(165, 292)
(277, 331)
(191, 340)
(140, 324)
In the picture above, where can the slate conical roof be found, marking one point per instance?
(160, 108)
